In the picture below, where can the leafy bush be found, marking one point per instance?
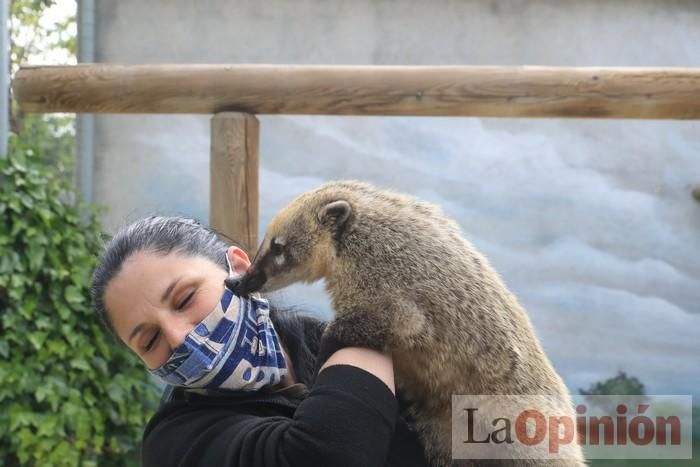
(620, 384)
(68, 394)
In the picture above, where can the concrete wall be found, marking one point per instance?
(590, 222)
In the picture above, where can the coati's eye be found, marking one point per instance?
(276, 246)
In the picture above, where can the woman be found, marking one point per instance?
(155, 287)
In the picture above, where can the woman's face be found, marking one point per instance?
(156, 300)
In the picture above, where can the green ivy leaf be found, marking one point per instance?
(37, 339)
(73, 295)
(41, 393)
(80, 364)
(27, 201)
(35, 254)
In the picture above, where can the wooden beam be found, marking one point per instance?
(233, 208)
(482, 91)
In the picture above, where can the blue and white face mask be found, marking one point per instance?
(235, 347)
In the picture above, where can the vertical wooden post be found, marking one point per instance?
(233, 208)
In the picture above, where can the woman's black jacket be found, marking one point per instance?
(347, 417)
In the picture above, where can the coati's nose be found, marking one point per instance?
(233, 283)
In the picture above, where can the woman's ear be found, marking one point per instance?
(238, 259)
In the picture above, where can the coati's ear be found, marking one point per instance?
(334, 214)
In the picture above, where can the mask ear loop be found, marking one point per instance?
(231, 273)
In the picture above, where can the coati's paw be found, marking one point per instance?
(340, 333)
(384, 324)
(360, 327)
(328, 346)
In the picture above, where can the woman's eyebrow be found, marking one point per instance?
(169, 289)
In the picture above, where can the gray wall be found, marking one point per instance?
(590, 222)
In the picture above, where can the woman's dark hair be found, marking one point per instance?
(164, 235)
(301, 336)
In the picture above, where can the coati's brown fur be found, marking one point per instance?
(402, 277)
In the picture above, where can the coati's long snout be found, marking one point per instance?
(252, 281)
(259, 273)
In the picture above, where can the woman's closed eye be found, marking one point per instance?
(183, 303)
(151, 342)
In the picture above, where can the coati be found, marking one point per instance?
(401, 277)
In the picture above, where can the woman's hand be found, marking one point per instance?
(380, 364)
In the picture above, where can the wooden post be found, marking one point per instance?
(233, 208)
